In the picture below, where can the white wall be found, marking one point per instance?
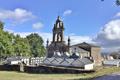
(89, 66)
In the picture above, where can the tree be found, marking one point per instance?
(2, 50)
(11, 45)
(1, 25)
(117, 2)
(21, 46)
(5, 43)
(36, 45)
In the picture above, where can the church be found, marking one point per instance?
(58, 43)
(59, 49)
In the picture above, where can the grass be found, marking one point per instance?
(100, 71)
(6, 75)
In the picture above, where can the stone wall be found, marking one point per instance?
(9, 68)
(43, 69)
(49, 70)
(96, 54)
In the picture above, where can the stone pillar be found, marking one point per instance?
(118, 64)
(21, 67)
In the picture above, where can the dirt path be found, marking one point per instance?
(114, 76)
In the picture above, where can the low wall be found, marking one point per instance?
(42, 69)
(48, 69)
(9, 68)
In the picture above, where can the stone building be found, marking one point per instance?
(88, 50)
(58, 48)
(58, 43)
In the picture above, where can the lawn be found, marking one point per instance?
(6, 75)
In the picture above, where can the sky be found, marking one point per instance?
(89, 21)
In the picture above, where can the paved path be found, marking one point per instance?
(115, 76)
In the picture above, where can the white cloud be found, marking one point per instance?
(112, 30)
(38, 25)
(44, 35)
(117, 15)
(8, 30)
(109, 36)
(75, 39)
(23, 34)
(67, 12)
(17, 15)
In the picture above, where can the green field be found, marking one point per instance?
(6, 75)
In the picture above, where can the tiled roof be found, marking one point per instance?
(67, 62)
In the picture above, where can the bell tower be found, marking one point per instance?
(58, 31)
(58, 44)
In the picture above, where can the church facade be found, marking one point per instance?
(58, 43)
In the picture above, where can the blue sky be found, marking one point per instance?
(83, 19)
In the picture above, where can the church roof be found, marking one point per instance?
(86, 46)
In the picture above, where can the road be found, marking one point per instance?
(114, 76)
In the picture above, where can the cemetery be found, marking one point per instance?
(60, 40)
(60, 57)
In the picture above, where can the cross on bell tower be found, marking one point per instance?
(58, 30)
